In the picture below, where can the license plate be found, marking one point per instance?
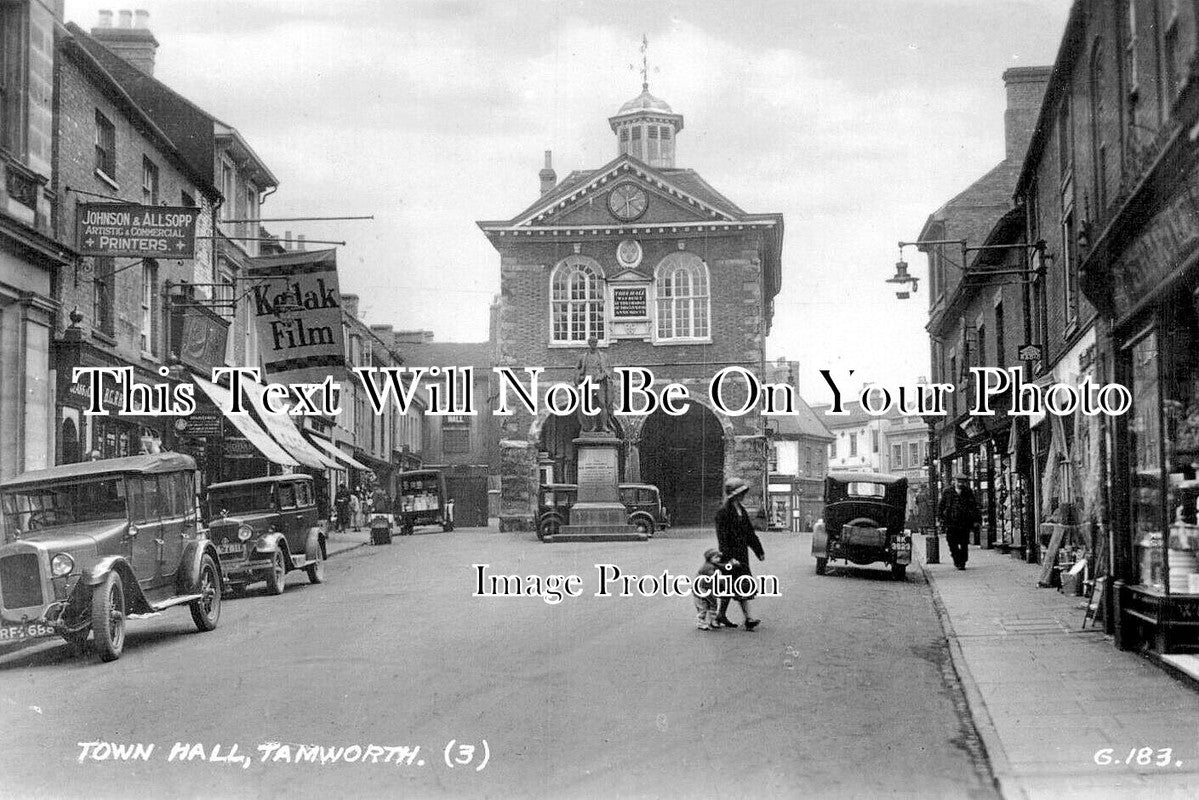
(230, 548)
(18, 633)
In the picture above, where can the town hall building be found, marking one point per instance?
(667, 274)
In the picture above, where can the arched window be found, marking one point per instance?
(681, 286)
(576, 301)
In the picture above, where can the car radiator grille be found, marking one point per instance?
(20, 581)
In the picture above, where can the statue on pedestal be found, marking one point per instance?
(593, 364)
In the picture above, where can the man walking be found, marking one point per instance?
(959, 514)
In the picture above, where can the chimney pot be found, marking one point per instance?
(126, 18)
(286, 240)
(300, 243)
(141, 19)
(105, 20)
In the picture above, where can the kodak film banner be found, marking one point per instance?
(297, 307)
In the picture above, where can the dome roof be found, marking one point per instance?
(644, 102)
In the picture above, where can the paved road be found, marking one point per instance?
(843, 691)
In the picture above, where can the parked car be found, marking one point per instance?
(863, 521)
(642, 501)
(88, 544)
(264, 528)
(423, 501)
(644, 504)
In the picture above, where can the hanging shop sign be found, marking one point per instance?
(1029, 352)
(201, 335)
(121, 229)
(297, 307)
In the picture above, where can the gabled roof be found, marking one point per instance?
(685, 185)
(192, 129)
(803, 422)
(100, 71)
(856, 415)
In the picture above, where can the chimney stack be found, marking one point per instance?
(300, 242)
(349, 304)
(548, 177)
(130, 40)
(1025, 90)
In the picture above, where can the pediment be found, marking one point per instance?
(587, 202)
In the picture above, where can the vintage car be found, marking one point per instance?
(86, 545)
(863, 521)
(264, 528)
(423, 500)
(641, 500)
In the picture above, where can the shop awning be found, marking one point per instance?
(287, 434)
(261, 440)
(339, 454)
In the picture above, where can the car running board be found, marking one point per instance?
(165, 604)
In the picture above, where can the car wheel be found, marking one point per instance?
(207, 610)
(643, 526)
(316, 569)
(235, 589)
(547, 528)
(278, 573)
(821, 565)
(108, 617)
(898, 571)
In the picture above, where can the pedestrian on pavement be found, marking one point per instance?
(355, 510)
(735, 536)
(959, 515)
(342, 505)
(702, 589)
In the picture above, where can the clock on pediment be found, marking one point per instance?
(627, 202)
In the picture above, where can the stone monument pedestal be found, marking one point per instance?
(598, 515)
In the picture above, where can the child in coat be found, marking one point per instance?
(702, 590)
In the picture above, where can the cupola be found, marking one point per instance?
(646, 128)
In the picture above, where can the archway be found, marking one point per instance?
(684, 457)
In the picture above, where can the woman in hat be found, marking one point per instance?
(735, 537)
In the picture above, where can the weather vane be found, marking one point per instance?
(644, 63)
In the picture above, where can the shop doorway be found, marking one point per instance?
(684, 457)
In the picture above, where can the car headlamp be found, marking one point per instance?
(61, 565)
(244, 533)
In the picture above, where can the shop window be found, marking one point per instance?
(103, 291)
(106, 147)
(576, 301)
(681, 287)
(1145, 447)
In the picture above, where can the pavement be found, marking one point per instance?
(1061, 712)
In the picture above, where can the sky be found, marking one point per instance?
(853, 119)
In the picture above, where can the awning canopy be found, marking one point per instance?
(339, 454)
(262, 441)
(286, 433)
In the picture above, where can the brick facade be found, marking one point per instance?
(740, 253)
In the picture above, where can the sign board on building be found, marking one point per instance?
(630, 301)
(1029, 352)
(297, 308)
(201, 334)
(125, 229)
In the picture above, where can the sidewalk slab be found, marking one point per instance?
(1059, 708)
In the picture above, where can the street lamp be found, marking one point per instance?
(1027, 274)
